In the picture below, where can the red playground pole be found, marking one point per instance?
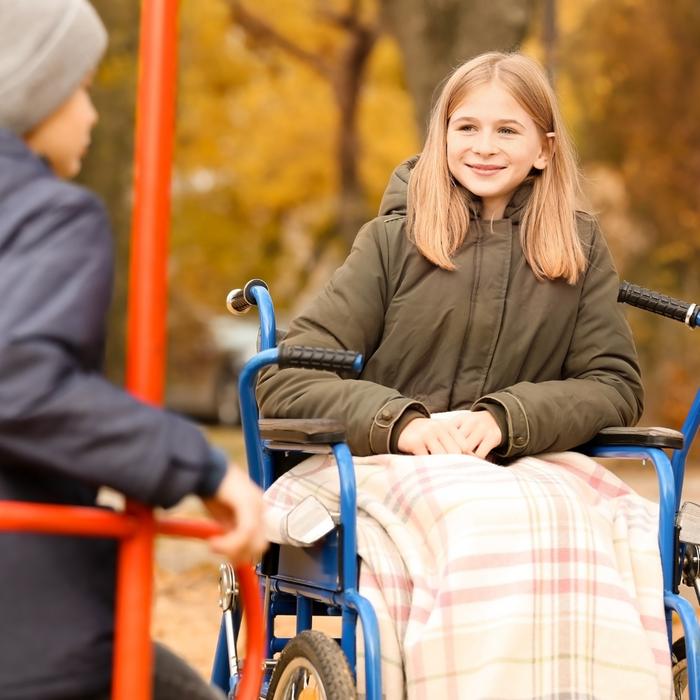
(155, 120)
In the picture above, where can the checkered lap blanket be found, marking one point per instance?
(541, 580)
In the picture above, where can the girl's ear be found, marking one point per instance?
(549, 146)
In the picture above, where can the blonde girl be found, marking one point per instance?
(482, 294)
(479, 287)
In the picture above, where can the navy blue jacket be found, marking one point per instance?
(65, 431)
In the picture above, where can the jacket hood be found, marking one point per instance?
(18, 163)
(395, 195)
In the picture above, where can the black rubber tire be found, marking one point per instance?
(314, 656)
(680, 667)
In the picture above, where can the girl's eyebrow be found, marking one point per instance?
(499, 122)
(509, 121)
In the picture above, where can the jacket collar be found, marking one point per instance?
(11, 146)
(515, 209)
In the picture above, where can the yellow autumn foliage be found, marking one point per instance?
(256, 173)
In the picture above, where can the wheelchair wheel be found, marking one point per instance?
(680, 667)
(312, 667)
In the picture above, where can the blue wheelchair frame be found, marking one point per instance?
(670, 473)
(325, 589)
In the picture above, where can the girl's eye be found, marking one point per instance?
(467, 127)
(507, 131)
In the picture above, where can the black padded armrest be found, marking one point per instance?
(318, 431)
(664, 438)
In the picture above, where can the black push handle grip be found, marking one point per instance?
(318, 358)
(239, 301)
(658, 303)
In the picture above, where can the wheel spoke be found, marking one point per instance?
(300, 681)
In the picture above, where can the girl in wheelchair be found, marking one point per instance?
(481, 293)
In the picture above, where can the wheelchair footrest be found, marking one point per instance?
(318, 431)
(688, 523)
(664, 438)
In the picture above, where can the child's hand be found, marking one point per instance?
(238, 506)
(426, 436)
(480, 431)
(474, 433)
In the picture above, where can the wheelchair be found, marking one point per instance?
(321, 577)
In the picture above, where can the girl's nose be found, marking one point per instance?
(485, 144)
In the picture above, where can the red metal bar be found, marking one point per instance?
(155, 121)
(249, 688)
(147, 311)
(135, 575)
(133, 649)
(64, 520)
(178, 527)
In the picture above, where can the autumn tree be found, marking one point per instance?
(342, 64)
(436, 36)
(633, 68)
(108, 167)
(257, 179)
(643, 117)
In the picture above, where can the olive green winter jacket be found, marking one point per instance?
(554, 363)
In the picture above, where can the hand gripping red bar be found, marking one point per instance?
(135, 530)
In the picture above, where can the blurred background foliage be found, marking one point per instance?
(292, 115)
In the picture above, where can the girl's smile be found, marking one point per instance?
(492, 145)
(485, 170)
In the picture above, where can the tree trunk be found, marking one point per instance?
(344, 71)
(108, 168)
(437, 35)
(352, 209)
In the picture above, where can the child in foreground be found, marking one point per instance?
(64, 430)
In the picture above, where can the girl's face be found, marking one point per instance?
(64, 136)
(492, 145)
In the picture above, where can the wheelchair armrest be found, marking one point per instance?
(317, 431)
(664, 438)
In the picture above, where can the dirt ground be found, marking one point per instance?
(186, 616)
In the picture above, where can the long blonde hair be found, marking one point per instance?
(439, 207)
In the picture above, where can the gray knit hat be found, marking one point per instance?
(47, 47)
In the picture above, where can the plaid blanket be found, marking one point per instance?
(541, 580)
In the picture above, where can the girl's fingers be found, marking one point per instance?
(480, 431)
(476, 433)
(434, 445)
(451, 440)
(420, 450)
(488, 444)
(457, 440)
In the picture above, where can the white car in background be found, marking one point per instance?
(205, 358)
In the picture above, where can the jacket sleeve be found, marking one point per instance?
(57, 413)
(600, 386)
(347, 315)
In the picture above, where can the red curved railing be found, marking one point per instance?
(135, 530)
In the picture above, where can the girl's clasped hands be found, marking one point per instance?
(469, 432)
